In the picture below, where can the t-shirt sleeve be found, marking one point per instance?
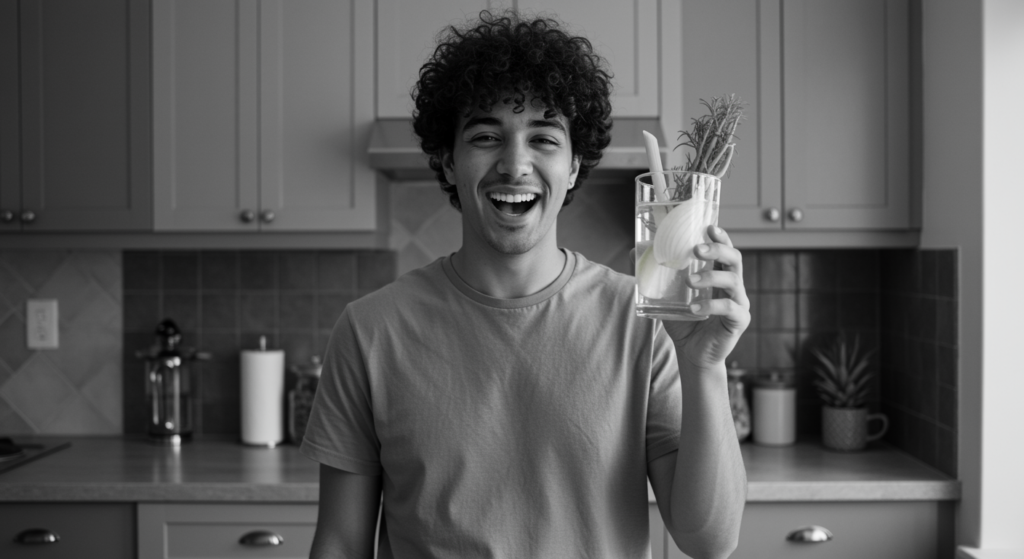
(665, 402)
(341, 431)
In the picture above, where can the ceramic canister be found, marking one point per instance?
(775, 410)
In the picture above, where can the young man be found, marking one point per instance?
(506, 400)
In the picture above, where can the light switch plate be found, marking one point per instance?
(41, 329)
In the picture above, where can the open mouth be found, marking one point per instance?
(513, 204)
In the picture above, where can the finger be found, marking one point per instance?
(735, 315)
(719, 235)
(729, 281)
(727, 255)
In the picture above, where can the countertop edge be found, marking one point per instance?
(757, 492)
(154, 492)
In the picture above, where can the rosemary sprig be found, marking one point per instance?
(713, 136)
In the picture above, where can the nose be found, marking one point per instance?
(515, 159)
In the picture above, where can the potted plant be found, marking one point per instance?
(843, 381)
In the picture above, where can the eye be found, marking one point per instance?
(485, 138)
(547, 141)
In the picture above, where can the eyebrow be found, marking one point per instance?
(491, 121)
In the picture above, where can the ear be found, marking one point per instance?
(574, 171)
(448, 164)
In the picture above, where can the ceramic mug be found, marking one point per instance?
(847, 428)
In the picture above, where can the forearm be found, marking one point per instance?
(710, 483)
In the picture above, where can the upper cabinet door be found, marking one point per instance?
(733, 48)
(846, 106)
(406, 34)
(626, 33)
(10, 128)
(315, 116)
(84, 101)
(205, 115)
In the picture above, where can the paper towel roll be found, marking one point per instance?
(262, 397)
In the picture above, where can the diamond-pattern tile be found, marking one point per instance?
(78, 417)
(13, 291)
(104, 267)
(13, 347)
(11, 423)
(441, 235)
(77, 387)
(37, 391)
(34, 267)
(412, 206)
(86, 350)
(105, 391)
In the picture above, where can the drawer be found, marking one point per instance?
(879, 530)
(85, 530)
(215, 530)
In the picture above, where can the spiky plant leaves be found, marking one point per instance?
(843, 374)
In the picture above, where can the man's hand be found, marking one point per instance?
(706, 344)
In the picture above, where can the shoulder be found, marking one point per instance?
(600, 280)
(407, 293)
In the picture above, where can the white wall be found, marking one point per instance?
(1002, 417)
(973, 56)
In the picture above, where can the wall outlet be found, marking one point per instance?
(41, 327)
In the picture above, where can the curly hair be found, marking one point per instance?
(505, 58)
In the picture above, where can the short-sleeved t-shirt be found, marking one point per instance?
(501, 427)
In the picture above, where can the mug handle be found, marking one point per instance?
(885, 426)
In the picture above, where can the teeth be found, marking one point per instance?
(512, 198)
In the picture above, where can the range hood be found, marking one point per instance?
(395, 151)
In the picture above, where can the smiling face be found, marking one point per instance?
(512, 171)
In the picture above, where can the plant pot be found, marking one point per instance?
(846, 429)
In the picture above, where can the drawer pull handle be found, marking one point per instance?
(810, 534)
(37, 536)
(261, 538)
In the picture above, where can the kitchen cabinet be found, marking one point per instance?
(28, 530)
(881, 530)
(169, 531)
(626, 33)
(825, 146)
(74, 105)
(261, 115)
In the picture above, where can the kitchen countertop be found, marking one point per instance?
(131, 469)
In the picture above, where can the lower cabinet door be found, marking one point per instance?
(225, 530)
(58, 530)
(879, 530)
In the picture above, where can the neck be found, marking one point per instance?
(509, 276)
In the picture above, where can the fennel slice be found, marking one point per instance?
(652, 279)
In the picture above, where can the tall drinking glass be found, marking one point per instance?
(673, 212)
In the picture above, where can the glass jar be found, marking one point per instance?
(738, 401)
(300, 399)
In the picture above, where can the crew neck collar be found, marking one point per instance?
(519, 302)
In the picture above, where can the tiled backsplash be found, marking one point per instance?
(75, 389)
(801, 300)
(920, 362)
(223, 301)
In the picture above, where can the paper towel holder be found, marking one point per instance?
(262, 396)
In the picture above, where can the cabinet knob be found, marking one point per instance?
(796, 214)
(261, 538)
(247, 216)
(266, 216)
(6, 216)
(773, 214)
(809, 534)
(28, 216)
(37, 536)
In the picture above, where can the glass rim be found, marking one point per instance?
(675, 172)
